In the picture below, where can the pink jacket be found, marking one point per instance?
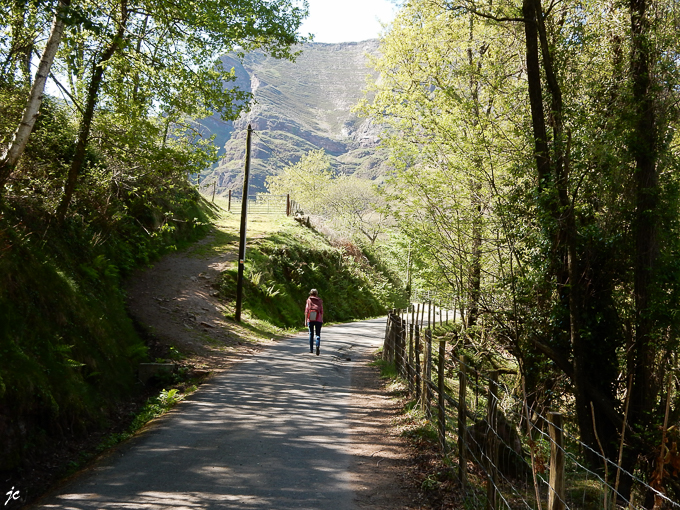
(318, 305)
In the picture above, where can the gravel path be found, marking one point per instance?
(272, 432)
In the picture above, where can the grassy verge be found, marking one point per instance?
(284, 260)
(68, 349)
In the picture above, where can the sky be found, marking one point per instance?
(334, 21)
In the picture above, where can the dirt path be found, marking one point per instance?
(176, 302)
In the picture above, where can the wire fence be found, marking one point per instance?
(475, 414)
(261, 203)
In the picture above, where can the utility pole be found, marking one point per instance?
(242, 242)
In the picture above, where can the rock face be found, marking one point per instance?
(299, 107)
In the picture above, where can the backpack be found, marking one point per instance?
(313, 311)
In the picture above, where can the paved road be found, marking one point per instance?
(272, 433)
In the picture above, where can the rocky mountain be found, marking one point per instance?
(298, 106)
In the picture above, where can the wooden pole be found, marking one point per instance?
(229, 203)
(242, 241)
(440, 393)
(395, 339)
(214, 190)
(417, 362)
(557, 487)
(410, 372)
(462, 424)
(427, 373)
(492, 442)
(388, 336)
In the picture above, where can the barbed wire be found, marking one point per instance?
(406, 351)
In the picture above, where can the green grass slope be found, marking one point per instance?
(283, 265)
(68, 350)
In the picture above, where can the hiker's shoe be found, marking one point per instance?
(317, 350)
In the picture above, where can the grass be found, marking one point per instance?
(68, 349)
(153, 408)
(284, 260)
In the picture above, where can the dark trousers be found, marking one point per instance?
(314, 325)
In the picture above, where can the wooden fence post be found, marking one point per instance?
(462, 423)
(399, 347)
(403, 362)
(492, 442)
(427, 390)
(229, 203)
(386, 341)
(411, 371)
(393, 341)
(417, 362)
(557, 486)
(441, 388)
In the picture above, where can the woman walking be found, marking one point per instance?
(314, 319)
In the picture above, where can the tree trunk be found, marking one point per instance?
(88, 114)
(553, 183)
(643, 145)
(536, 94)
(11, 156)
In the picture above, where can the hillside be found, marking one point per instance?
(298, 107)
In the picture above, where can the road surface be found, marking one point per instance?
(272, 432)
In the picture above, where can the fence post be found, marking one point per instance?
(214, 190)
(229, 203)
(402, 347)
(411, 371)
(393, 337)
(462, 423)
(396, 343)
(441, 387)
(492, 442)
(386, 343)
(417, 362)
(427, 390)
(557, 486)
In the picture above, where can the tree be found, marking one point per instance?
(162, 59)
(547, 172)
(308, 181)
(11, 155)
(353, 206)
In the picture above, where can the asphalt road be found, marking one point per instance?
(272, 432)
